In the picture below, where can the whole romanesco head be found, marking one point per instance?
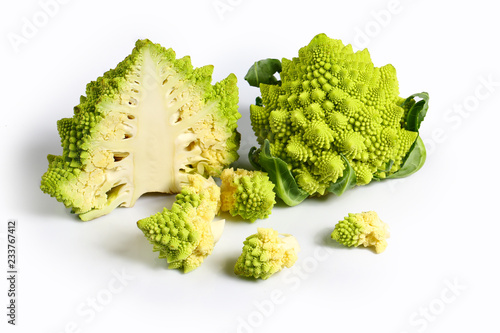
(362, 229)
(332, 108)
(185, 234)
(247, 193)
(266, 253)
(143, 127)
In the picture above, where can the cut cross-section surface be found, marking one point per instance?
(143, 127)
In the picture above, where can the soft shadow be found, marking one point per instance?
(137, 248)
(32, 166)
(243, 164)
(228, 269)
(323, 198)
(323, 238)
(156, 201)
(280, 203)
(231, 219)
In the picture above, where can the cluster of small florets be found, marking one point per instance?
(247, 193)
(333, 102)
(183, 234)
(171, 230)
(266, 253)
(365, 229)
(333, 109)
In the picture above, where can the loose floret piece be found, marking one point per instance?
(185, 234)
(247, 193)
(266, 253)
(362, 229)
(143, 127)
(334, 110)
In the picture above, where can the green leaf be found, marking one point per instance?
(253, 157)
(263, 71)
(413, 161)
(346, 182)
(258, 101)
(285, 185)
(388, 167)
(417, 112)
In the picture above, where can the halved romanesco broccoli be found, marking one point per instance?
(143, 127)
(247, 193)
(185, 234)
(333, 121)
(362, 229)
(266, 253)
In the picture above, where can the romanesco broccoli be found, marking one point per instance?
(247, 193)
(266, 253)
(185, 235)
(362, 229)
(143, 127)
(334, 121)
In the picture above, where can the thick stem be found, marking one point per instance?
(290, 242)
(217, 229)
(114, 201)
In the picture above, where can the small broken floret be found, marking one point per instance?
(185, 234)
(266, 253)
(362, 229)
(143, 127)
(247, 193)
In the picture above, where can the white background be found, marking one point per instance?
(443, 220)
